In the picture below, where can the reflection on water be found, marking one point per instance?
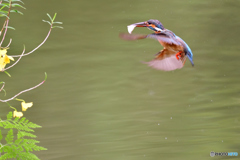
(100, 102)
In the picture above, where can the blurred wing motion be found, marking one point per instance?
(132, 37)
(166, 60)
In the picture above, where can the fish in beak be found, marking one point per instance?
(139, 24)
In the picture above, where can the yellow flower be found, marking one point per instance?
(17, 114)
(25, 106)
(4, 58)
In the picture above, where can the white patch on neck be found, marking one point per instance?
(158, 29)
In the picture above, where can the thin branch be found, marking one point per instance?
(22, 92)
(2, 86)
(3, 26)
(9, 43)
(37, 46)
(16, 61)
(7, 19)
(4, 33)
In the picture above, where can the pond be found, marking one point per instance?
(100, 102)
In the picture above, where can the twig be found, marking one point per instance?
(37, 46)
(7, 19)
(9, 43)
(4, 32)
(22, 92)
(2, 86)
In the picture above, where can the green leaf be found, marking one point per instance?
(5, 93)
(57, 23)
(49, 17)
(22, 120)
(9, 137)
(9, 115)
(38, 148)
(17, 1)
(25, 134)
(3, 6)
(9, 27)
(19, 134)
(22, 127)
(28, 156)
(6, 12)
(33, 125)
(25, 121)
(18, 141)
(3, 123)
(17, 5)
(30, 145)
(0, 135)
(47, 22)
(7, 156)
(45, 76)
(16, 119)
(57, 27)
(9, 75)
(3, 15)
(9, 125)
(16, 11)
(54, 17)
(33, 141)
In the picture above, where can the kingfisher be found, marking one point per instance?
(175, 51)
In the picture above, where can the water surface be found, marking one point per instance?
(100, 102)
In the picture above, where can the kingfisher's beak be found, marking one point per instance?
(190, 59)
(139, 24)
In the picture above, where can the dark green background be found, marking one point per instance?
(101, 103)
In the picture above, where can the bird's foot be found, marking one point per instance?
(178, 55)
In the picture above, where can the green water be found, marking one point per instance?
(101, 103)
